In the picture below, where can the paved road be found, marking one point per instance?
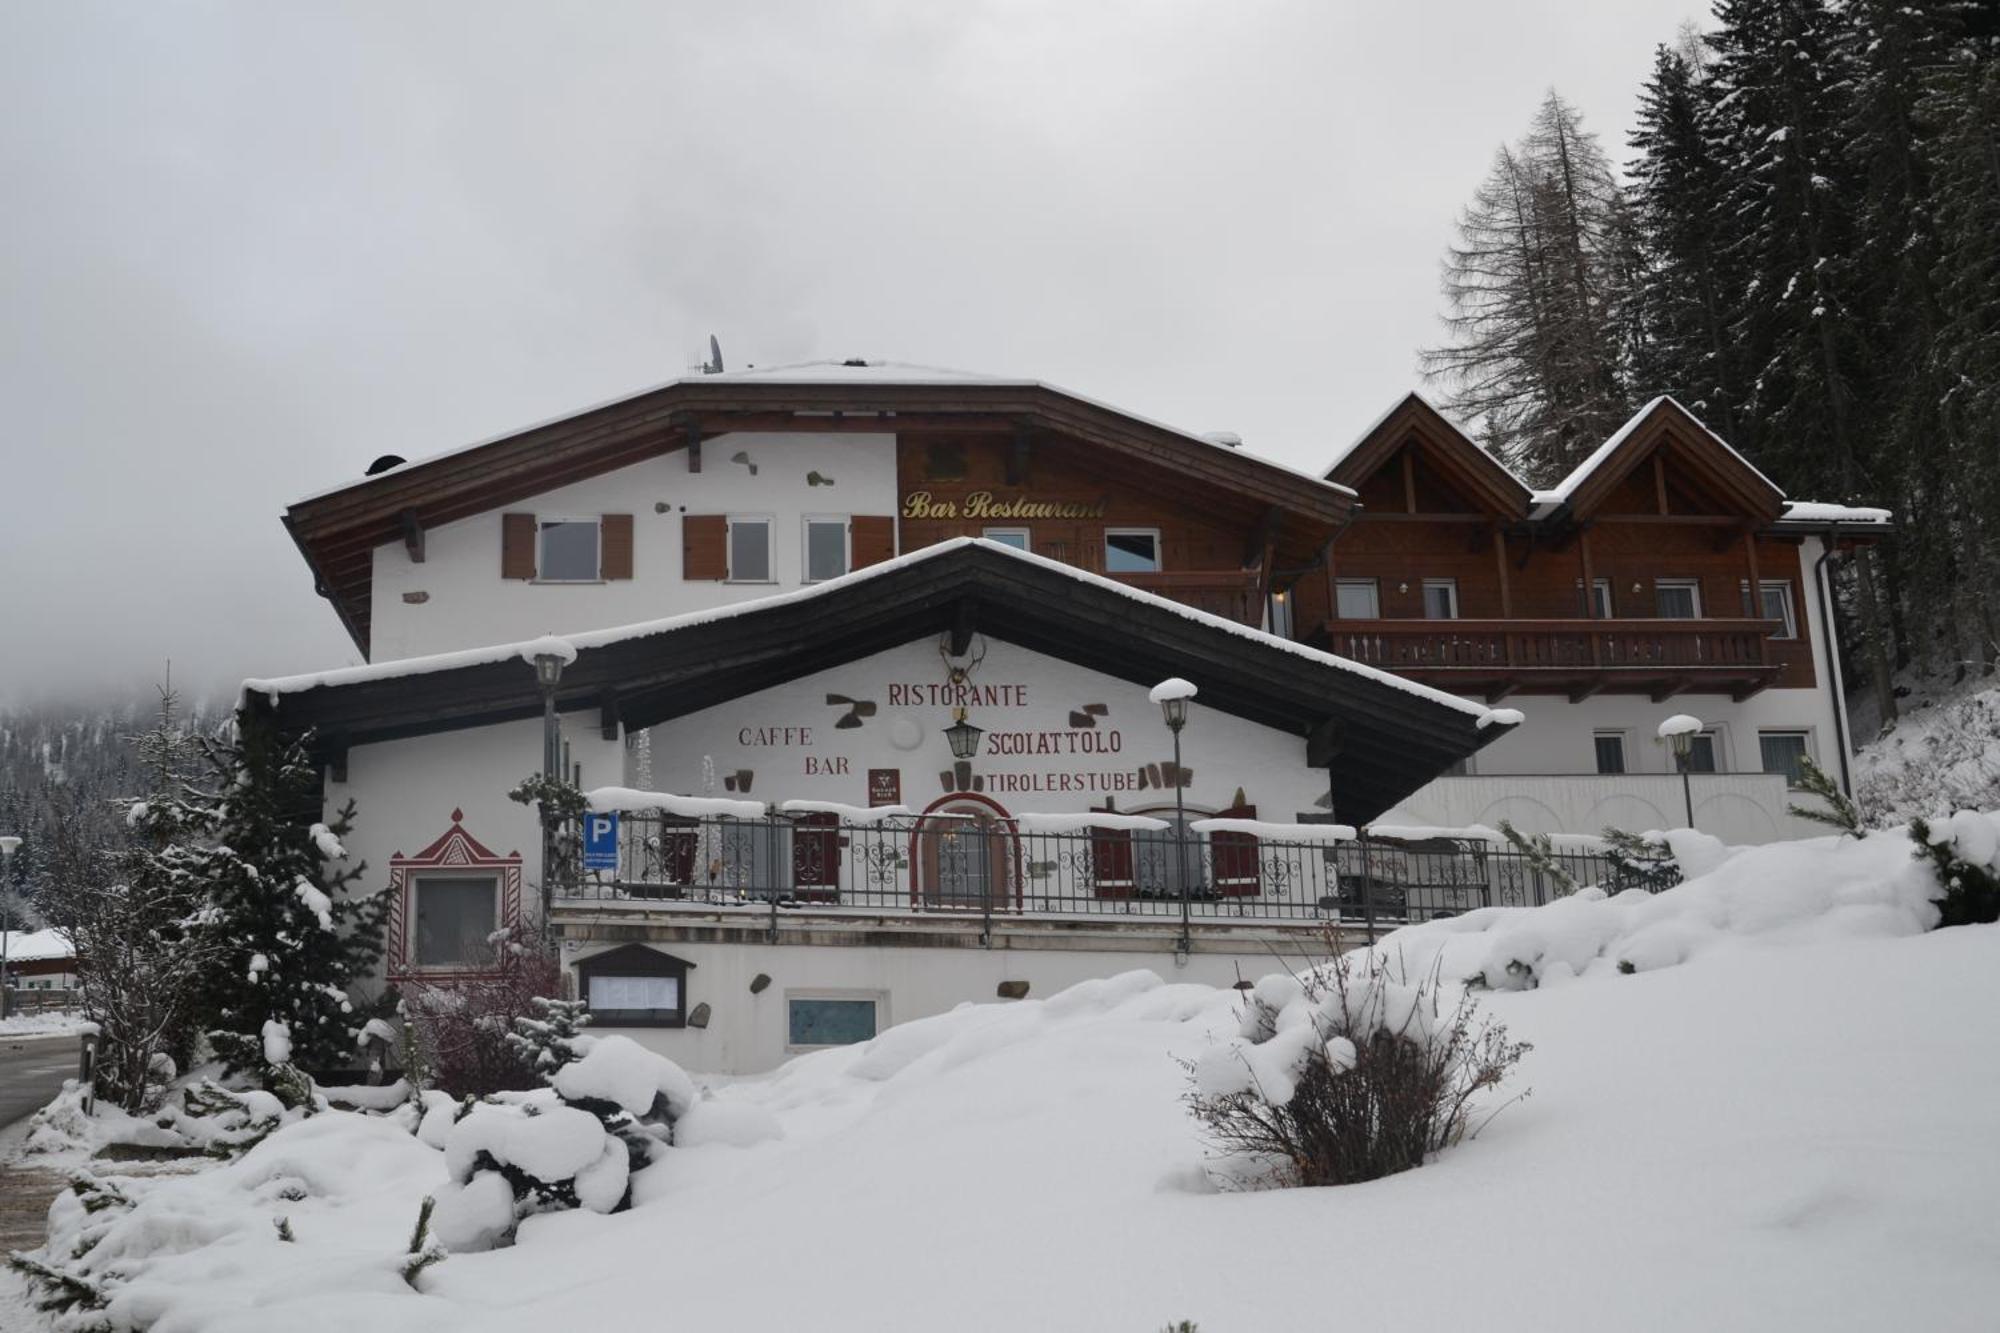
(31, 1071)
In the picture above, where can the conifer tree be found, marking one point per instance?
(294, 939)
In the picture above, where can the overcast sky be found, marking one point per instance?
(248, 247)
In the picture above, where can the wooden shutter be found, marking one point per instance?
(1233, 859)
(816, 857)
(1111, 862)
(517, 546)
(871, 538)
(615, 546)
(705, 546)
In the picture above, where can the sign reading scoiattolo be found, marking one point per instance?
(987, 505)
(885, 786)
(600, 840)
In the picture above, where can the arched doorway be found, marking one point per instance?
(963, 851)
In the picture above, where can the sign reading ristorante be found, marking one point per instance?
(986, 505)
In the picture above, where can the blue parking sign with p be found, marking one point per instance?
(600, 841)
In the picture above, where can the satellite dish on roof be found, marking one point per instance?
(713, 366)
(384, 463)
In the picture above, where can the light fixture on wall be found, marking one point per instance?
(1402, 587)
(962, 736)
(1635, 588)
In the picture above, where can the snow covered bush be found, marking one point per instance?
(1964, 850)
(461, 1029)
(1946, 758)
(1344, 1074)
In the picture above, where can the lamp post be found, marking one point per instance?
(1172, 696)
(548, 674)
(8, 843)
(1679, 731)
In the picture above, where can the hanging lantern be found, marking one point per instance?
(962, 736)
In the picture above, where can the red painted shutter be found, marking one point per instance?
(1111, 863)
(705, 547)
(517, 546)
(816, 857)
(1233, 858)
(616, 545)
(871, 539)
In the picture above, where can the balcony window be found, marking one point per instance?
(1357, 599)
(566, 550)
(1279, 614)
(1677, 599)
(1441, 599)
(1599, 604)
(826, 548)
(1702, 754)
(749, 550)
(1131, 550)
(1774, 603)
(1610, 751)
(1784, 752)
(1014, 537)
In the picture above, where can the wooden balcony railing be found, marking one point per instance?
(1235, 594)
(1581, 657)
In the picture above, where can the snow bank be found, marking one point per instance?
(1063, 822)
(735, 1124)
(849, 814)
(687, 807)
(1262, 828)
(621, 1071)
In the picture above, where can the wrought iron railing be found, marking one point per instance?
(1038, 867)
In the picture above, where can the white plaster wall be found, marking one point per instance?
(1739, 808)
(467, 604)
(404, 791)
(787, 739)
(747, 1033)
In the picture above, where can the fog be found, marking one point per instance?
(248, 247)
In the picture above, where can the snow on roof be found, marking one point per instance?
(1567, 486)
(856, 370)
(1340, 454)
(274, 688)
(1806, 511)
(30, 946)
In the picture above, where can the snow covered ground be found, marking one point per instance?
(1943, 752)
(54, 1022)
(1781, 1120)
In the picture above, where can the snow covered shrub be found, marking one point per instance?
(1639, 861)
(1539, 851)
(1343, 1074)
(1947, 758)
(561, 805)
(462, 1027)
(1834, 810)
(1964, 850)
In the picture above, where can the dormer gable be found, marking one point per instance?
(1665, 462)
(1415, 460)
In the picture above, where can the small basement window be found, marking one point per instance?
(749, 550)
(566, 550)
(1131, 550)
(831, 1019)
(456, 917)
(635, 986)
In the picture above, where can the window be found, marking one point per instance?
(1784, 752)
(1677, 599)
(1610, 751)
(456, 917)
(1014, 537)
(566, 550)
(831, 1019)
(1774, 603)
(1702, 754)
(1131, 550)
(826, 548)
(635, 986)
(1355, 599)
(1600, 594)
(1280, 614)
(749, 550)
(1441, 599)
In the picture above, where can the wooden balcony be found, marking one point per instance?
(1234, 594)
(1579, 658)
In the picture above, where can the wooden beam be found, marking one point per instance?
(413, 535)
(1668, 688)
(1263, 538)
(1324, 743)
(336, 758)
(1409, 479)
(1017, 458)
(964, 624)
(1501, 689)
(1500, 564)
(1756, 584)
(607, 715)
(1660, 481)
(694, 447)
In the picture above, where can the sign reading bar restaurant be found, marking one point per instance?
(986, 505)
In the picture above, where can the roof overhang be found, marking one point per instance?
(1481, 476)
(338, 531)
(1381, 737)
(1665, 424)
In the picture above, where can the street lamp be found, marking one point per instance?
(1679, 731)
(548, 674)
(1172, 695)
(8, 843)
(962, 736)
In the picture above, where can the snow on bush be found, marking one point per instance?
(1342, 1074)
(1946, 757)
(1963, 850)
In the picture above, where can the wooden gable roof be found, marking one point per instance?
(1665, 429)
(338, 530)
(1466, 467)
(1380, 737)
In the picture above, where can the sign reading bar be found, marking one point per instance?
(986, 505)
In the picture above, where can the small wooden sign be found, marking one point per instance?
(885, 786)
